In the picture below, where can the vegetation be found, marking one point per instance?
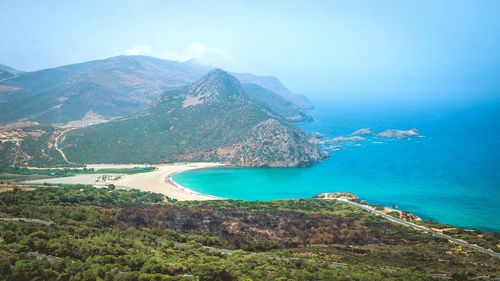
(222, 121)
(9, 174)
(79, 195)
(74, 171)
(108, 234)
(33, 149)
(489, 240)
(275, 102)
(100, 86)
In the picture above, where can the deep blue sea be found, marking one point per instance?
(450, 175)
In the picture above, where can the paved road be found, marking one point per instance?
(424, 229)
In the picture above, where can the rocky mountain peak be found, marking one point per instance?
(213, 85)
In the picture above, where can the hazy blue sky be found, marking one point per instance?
(370, 50)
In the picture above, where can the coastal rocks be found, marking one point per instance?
(338, 195)
(273, 144)
(318, 135)
(362, 132)
(402, 215)
(314, 140)
(399, 134)
(344, 139)
(406, 216)
(333, 148)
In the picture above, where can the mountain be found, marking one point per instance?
(7, 72)
(272, 84)
(10, 69)
(211, 119)
(4, 75)
(111, 87)
(285, 108)
(28, 143)
(108, 88)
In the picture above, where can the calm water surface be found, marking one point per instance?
(451, 174)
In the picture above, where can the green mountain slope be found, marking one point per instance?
(117, 86)
(28, 144)
(275, 102)
(4, 75)
(110, 87)
(272, 84)
(10, 69)
(212, 119)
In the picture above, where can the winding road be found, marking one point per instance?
(56, 145)
(423, 229)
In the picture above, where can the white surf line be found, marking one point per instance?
(174, 183)
(423, 229)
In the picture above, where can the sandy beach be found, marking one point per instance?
(158, 181)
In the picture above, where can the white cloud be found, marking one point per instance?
(193, 51)
(140, 50)
(197, 51)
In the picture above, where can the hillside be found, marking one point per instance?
(212, 119)
(10, 69)
(83, 233)
(28, 143)
(275, 102)
(4, 75)
(112, 87)
(272, 84)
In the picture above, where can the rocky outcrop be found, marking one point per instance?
(399, 134)
(273, 144)
(333, 148)
(269, 144)
(344, 139)
(338, 195)
(290, 111)
(362, 132)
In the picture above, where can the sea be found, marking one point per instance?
(450, 174)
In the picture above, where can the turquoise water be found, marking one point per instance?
(451, 175)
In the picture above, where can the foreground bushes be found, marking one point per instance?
(102, 234)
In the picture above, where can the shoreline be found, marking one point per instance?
(179, 186)
(159, 180)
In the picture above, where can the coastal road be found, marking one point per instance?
(423, 229)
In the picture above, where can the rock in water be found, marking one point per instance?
(343, 139)
(361, 132)
(399, 134)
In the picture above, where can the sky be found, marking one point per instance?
(358, 51)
